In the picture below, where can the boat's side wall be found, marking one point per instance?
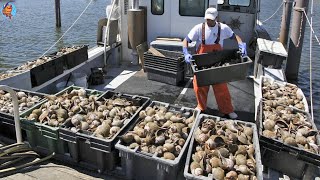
(96, 59)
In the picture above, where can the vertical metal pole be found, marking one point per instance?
(135, 4)
(285, 23)
(296, 39)
(15, 111)
(311, 38)
(58, 15)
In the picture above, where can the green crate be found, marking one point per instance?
(41, 136)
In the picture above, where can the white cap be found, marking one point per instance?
(211, 13)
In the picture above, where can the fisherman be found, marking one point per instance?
(210, 36)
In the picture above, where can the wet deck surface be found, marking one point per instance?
(53, 170)
(242, 93)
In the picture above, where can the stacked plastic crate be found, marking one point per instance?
(169, 68)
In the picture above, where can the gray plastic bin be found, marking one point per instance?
(97, 153)
(139, 165)
(168, 77)
(290, 160)
(202, 117)
(221, 74)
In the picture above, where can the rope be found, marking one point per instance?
(67, 30)
(273, 13)
(316, 37)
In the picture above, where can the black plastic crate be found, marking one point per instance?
(192, 147)
(41, 95)
(284, 158)
(76, 57)
(211, 58)
(7, 120)
(7, 129)
(44, 72)
(140, 165)
(172, 56)
(164, 60)
(221, 74)
(172, 59)
(162, 68)
(93, 152)
(165, 66)
(168, 77)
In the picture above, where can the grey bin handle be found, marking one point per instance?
(15, 111)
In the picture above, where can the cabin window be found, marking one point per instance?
(239, 2)
(192, 7)
(157, 7)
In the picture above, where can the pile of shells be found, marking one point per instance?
(25, 100)
(67, 50)
(107, 118)
(59, 108)
(8, 74)
(160, 131)
(222, 64)
(276, 95)
(32, 64)
(224, 149)
(290, 127)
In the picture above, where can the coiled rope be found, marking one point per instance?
(273, 13)
(67, 29)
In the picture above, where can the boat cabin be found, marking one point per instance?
(175, 18)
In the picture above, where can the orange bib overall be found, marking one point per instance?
(221, 91)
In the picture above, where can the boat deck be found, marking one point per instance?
(131, 80)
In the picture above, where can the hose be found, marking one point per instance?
(27, 164)
(9, 146)
(18, 153)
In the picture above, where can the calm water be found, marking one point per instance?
(32, 31)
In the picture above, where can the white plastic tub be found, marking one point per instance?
(61, 85)
(80, 79)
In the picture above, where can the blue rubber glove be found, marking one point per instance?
(243, 49)
(187, 56)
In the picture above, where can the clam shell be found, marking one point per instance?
(241, 159)
(168, 155)
(198, 172)
(215, 162)
(133, 145)
(167, 147)
(231, 175)
(127, 138)
(218, 173)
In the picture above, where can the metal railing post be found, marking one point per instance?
(15, 111)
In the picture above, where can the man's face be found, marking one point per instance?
(211, 23)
